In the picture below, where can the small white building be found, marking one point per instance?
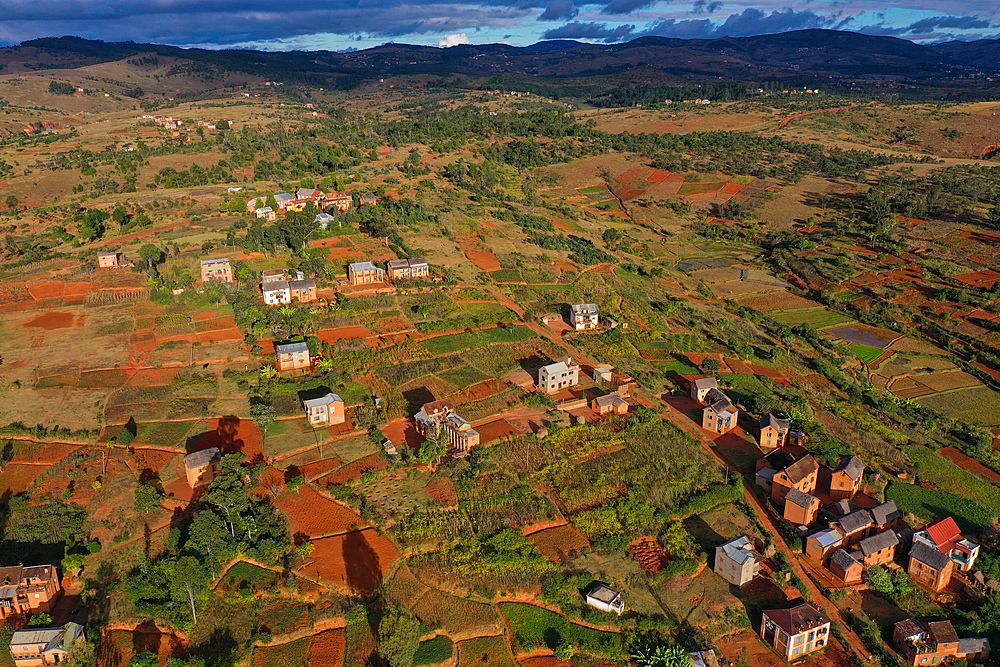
(324, 220)
(583, 316)
(605, 598)
(737, 561)
(559, 375)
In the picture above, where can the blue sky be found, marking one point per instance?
(342, 24)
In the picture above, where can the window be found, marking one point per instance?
(797, 651)
(798, 639)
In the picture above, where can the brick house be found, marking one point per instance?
(559, 375)
(583, 316)
(929, 567)
(795, 630)
(846, 478)
(438, 415)
(107, 260)
(878, 549)
(325, 410)
(936, 642)
(338, 200)
(613, 403)
(821, 544)
(855, 526)
(773, 431)
(35, 647)
(292, 356)
(402, 269)
(216, 269)
(720, 415)
(846, 567)
(367, 200)
(200, 467)
(945, 536)
(365, 273)
(701, 387)
(800, 508)
(737, 561)
(800, 474)
(28, 590)
(887, 516)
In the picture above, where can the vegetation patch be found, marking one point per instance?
(931, 505)
(433, 651)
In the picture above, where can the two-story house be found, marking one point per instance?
(28, 590)
(404, 269)
(846, 479)
(945, 536)
(800, 508)
(737, 561)
(879, 548)
(821, 544)
(801, 474)
(216, 269)
(107, 260)
(36, 647)
(845, 566)
(855, 526)
(583, 316)
(338, 200)
(887, 516)
(200, 467)
(266, 213)
(795, 630)
(292, 356)
(701, 386)
(773, 431)
(929, 567)
(928, 643)
(562, 374)
(720, 415)
(325, 410)
(438, 415)
(365, 273)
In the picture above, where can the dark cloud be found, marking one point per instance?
(955, 22)
(596, 31)
(705, 7)
(559, 10)
(749, 22)
(625, 6)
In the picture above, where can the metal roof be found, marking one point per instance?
(289, 348)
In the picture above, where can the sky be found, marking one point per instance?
(357, 24)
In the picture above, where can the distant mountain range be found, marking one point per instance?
(825, 58)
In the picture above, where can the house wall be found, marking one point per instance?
(710, 421)
(771, 437)
(851, 575)
(816, 551)
(842, 486)
(881, 557)
(782, 485)
(288, 362)
(927, 576)
(800, 515)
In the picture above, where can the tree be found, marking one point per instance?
(711, 364)
(434, 448)
(151, 255)
(148, 498)
(399, 635)
(263, 414)
(144, 659)
(188, 583)
(678, 541)
(295, 483)
(656, 652)
(12, 202)
(880, 580)
(612, 237)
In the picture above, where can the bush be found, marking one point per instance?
(433, 651)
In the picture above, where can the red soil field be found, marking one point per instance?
(544, 661)
(76, 289)
(118, 646)
(556, 543)
(214, 324)
(44, 454)
(732, 188)
(224, 336)
(479, 391)
(486, 261)
(311, 513)
(16, 478)
(150, 461)
(649, 554)
(56, 320)
(969, 463)
(327, 648)
(403, 431)
(343, 253)
(318, 468)
(355, 469)
(45, 289)
(153, 377)
(442, 490)
(230, 434)
(559, 224)
(565, 266)
(496, 429)
(358, 559)
(393, 324)
(343, 333)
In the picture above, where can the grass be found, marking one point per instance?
(247, 575)
(285, 436)
(56, 381)
(507, 276)
(352, 449)
(969, 405)
(485, 652)
(534, 626)
(462, 376)
(866, 353)
(931, 505)
(291, 654)
(940, 470)
(475, 339)
(434, 651)
(677, 366)
(164, 434)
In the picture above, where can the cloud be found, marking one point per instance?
(705, 7)
(559, 10)
(454, 39)
(750, 21)
(593, 31)
(956, 22)
(625, 6)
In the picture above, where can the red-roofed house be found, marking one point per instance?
(945, 536)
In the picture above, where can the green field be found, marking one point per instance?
(462, 376)
(433, 651)
(474, 339)
(943, 472)
(818, 318)
(979, 404)
(866, 353)
(534, 626)
(931, 505)
(164, 434)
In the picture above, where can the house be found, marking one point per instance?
(929, 567)
(32, 647)
(291, 356)
(887, 516)
(798, 474)
(302, 291)
(401, 269)
(846, 567)
(28, 590)
(845, 481)
(255, 202)
(796, 629)
(556, 376)
(602, 376)
(266, 213)
(324, 220)
(821, 544)
(284, 200)
(367, 199)
(276, 292)
(800, 508)
(438, 415)
(365, 273)
(701, 387)
(720, 415)
(605, 598)
(936, 642)
(310, 194)
(216, 269)
(945, 536)
(737, 562)
(325, 410)
(338, 200)
(200, 467)
(583, 316)
(878, 549)
(773, 431)
(608, 378)
(855, 526)
(107, 260)
(704, 658)
(613, 403)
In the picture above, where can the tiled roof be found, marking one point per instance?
(801, 469)
(852, 466)
(799, 498)
(843, 559)
(929, 556)
(797, 617)
(855, 521)
(943, 632)
(875, 543)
